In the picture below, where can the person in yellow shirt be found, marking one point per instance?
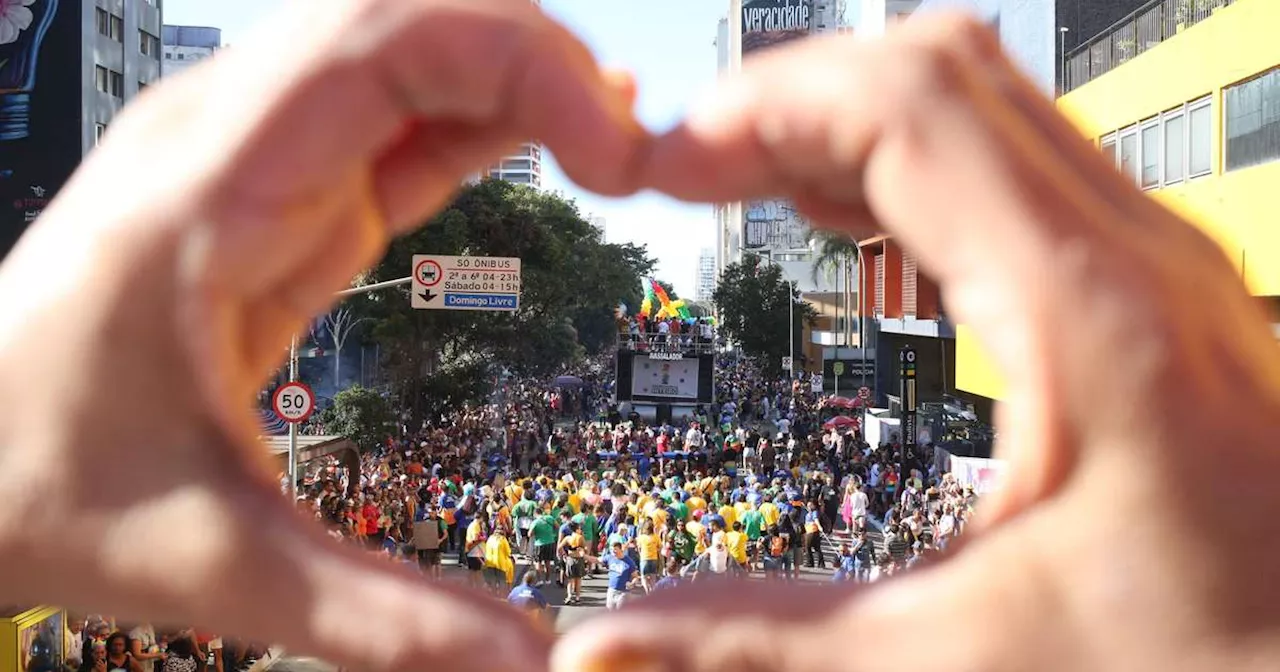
(730, 516)
(696, 503)
(659, 517)
(647, 545)
(499, 567)
(771, 514)
(736, 541)
(698, 531)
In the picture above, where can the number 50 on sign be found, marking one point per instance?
(294, 402)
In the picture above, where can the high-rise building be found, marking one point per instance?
(706, 280)
(184, 46)
(66, 73)
(770, 227)
(1203, 140)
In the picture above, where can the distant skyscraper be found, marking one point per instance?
(706, 285)
(184, 46)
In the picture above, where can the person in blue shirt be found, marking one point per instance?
(525, 595)
(846, 565)
(671, 580)
(622, 573)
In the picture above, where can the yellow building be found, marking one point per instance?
(1185, 94)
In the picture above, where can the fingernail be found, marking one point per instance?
(721, 107)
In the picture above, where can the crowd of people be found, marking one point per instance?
(753, 485)
(98, 643)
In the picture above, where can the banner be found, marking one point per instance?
(663, 378)
(774, 224)
(982, 474)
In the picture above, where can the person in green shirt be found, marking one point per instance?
(679, 509)
(544, 533)
(522, 514)
(752, 524)
(590, 530)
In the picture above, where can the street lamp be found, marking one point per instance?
(1062, 54)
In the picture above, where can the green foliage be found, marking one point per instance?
(752, 302)
(362, 415)
(834, 250)
(572, 282)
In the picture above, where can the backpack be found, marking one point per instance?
(777, 545)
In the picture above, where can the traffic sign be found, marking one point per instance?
(838, 368)
(786, 363)
(294, 402)
(465, 283)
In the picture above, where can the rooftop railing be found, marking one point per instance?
(1138, 32)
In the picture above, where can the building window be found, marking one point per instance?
(1200, 139)
(168, 56)
(1150, 140)
(1108, 146)
(149, 44)
(1175, 141)
(109, 81)
(98, 131)
(1129, 153)
(117, 28)
(1251, 116)
(103, 20)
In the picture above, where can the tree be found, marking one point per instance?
(571, 284)
(835, 250)
(753, 301)
(361, 415)
(338, 325)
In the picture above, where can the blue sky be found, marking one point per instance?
(668, 44)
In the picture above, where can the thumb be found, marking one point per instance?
(356, 610)
(731, 626)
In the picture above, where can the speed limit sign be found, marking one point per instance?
(294, 402)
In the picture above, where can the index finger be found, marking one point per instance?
(332, 87)
(932, 134)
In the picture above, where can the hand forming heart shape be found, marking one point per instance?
(280, 170)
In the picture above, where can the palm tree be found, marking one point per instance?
(834, 251)
(837, 252)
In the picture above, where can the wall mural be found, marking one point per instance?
(40, 107)
(23, 26)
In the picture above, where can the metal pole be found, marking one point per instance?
(1062, 56)
(293, 426)
(862, 314)
(791, 331)
(374, 287)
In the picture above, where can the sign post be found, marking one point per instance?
(838, 369)
(293, 402)
(465, 283)
(907, 361)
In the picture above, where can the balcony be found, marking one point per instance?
(667, 345)
(1135, 34)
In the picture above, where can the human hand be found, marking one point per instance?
(273, 175)
(1112, 546)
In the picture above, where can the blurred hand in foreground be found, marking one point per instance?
(142, 315)
(1136, 530)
